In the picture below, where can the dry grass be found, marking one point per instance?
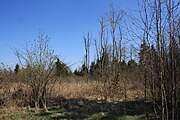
(77, 95)
(79, 88)
(73, 88)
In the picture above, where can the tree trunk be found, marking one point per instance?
(45, 108)
(37, 110)
(43, 100)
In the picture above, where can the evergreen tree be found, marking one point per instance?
(84, 69)
(61, 68)
(77, 72)
(58, 67)
(123, 65)
(132, 63)
(16, 70)
(143, 54)
(92, 68)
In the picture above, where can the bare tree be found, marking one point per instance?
(109, 51)
(87, 40)
(38, 63)
(103, 57)
(171, 7)
(115, 21)
(162, 74)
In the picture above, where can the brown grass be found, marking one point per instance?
(72, 88)
(89, 89)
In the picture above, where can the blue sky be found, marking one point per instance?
(65, 21)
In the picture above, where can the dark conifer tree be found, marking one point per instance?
(16, 70)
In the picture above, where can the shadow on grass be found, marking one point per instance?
(90, 109)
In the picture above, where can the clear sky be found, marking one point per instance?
(65, 21)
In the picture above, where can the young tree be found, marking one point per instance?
(38, 62)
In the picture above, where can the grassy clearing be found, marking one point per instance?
(87, 110)
(78, 99)
(57, 115)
